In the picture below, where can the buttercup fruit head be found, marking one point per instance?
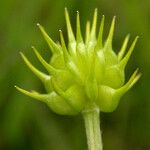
(84, 73)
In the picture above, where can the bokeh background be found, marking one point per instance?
(29, 125)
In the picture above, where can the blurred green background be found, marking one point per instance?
(29, 125)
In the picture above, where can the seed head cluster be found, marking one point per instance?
(85, 73)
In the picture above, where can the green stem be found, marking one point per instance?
(93, 133)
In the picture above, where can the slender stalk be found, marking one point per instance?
(92, 126)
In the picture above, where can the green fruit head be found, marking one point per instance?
(86, 72)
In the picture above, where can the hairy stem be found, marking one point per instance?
(92, 126)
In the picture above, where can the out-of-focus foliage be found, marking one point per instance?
(26, 124)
